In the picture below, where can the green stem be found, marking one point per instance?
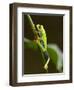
(32, 25)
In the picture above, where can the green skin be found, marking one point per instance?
(43, 37)
(40, 35)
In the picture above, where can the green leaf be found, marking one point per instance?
(30, 44)
(56, 55)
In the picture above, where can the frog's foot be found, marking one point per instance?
(35, 40)
(46, 64)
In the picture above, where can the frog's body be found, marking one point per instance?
(41, 40)
(41, 37)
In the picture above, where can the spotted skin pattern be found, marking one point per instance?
(41, 40)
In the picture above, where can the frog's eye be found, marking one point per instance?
(39, 26)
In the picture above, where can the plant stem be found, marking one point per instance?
(32, 25)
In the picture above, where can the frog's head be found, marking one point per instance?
(39, 27)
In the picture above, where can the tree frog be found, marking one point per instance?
(41, 40)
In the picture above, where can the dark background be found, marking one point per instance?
(53, 25)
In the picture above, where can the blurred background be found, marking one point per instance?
(53, 25)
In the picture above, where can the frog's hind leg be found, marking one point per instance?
(47, 58)
(46, 64)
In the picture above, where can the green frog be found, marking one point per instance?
(41, 40)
